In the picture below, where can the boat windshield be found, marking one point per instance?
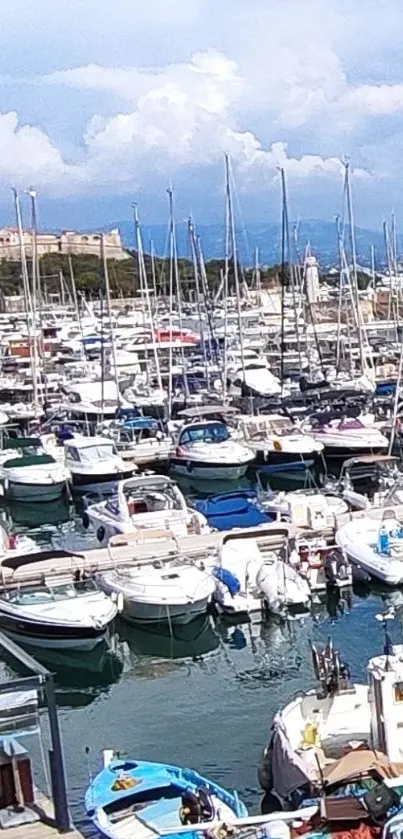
(35, 595)
(91, 454)
(214, 433)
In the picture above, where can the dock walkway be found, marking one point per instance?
(42, 829)
(134, 553)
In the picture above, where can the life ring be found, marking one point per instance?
(86, 521)
(190, 811)
(101, 533)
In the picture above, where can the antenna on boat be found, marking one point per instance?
(388, 646)
(87, 751)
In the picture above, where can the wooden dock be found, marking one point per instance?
(131, 552)
(43, 829)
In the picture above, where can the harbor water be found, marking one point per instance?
(201, 695)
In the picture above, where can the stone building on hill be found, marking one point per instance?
(67, 242)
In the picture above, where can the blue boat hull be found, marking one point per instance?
(154, 791)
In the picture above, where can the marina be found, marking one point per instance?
(201, 552)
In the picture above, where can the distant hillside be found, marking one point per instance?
(263, 235)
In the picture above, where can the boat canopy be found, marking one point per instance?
(15, 562)
(28, 460)
(233, 509)
(22, 443)
(140, 423)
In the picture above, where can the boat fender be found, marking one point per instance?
(228, 579)
(120, 602)
(86, 521)
(101, 533)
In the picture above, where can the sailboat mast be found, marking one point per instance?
(35, 280)
(195, 264)
(290, 263)
(108, 301)
(234, 256)
(142, 271)
(27, 293)
(174, 275)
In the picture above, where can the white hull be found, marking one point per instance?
(202, 471)
(34, 492)
(181, 613)
(172, 594)
(84, 644)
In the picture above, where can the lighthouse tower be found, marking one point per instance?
(311, 278)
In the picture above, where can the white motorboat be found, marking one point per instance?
(251, 576)
(144, 504)
(375, 545)
(253, 377)
(94, 460)
(154, 592)
(347, 437)
(206, 450)
(304, 508)
(333, 731)
(61, 612)
(141, 440)
(276, 440)
(31, 474)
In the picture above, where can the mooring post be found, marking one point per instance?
(62, 814)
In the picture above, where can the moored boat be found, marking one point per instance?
(32, 474)
(135, 798)
(206, 450)
(61, 612)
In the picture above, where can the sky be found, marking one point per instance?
(104, 104)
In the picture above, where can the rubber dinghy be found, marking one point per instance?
(376, 546)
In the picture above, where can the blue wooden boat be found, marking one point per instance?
(136, 799)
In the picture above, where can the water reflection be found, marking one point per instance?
(80, 676)
(149, 650)
(36, 515)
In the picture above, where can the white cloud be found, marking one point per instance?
(273, 89)
(27, 154)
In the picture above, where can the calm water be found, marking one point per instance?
(204, 697)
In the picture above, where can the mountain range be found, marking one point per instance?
(266, 236)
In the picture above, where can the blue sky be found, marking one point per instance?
(102, 104)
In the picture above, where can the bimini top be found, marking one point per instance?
(138, 423)
(22, 443)
(15, 562)
(144, 481)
